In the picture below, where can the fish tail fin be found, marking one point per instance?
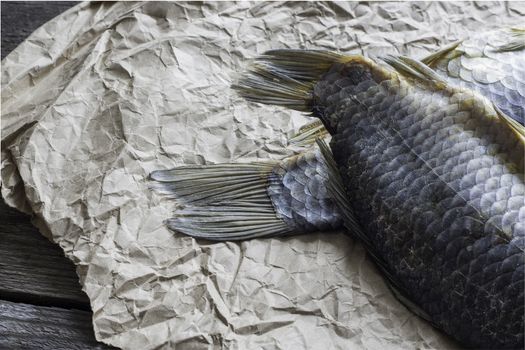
(221, 201)
(243, 201)
(286, 77)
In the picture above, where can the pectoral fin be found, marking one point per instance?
(308, 133)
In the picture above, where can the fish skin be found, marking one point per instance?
(478, 63)
(436, 181)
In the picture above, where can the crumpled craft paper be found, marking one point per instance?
(102, 95)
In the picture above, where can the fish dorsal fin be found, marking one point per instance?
(415, 70)
(516, 44)
(438, 55)
(316, 124)
(516, 127)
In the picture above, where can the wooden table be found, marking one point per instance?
(42, 305)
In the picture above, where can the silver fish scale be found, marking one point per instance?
(440, 198)
(297, 189)
(500, 76)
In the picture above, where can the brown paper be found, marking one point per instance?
(102, 95)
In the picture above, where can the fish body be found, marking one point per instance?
(491, 63)
(432, 183)
(438, 189)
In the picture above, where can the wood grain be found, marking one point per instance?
(24, 326)
(21, 18)
(32, 269)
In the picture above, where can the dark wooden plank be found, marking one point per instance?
(21, 18)
(24, 326)
(33, 269)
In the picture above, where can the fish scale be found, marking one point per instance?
(435, 251)
(478, 63)
(299, 195)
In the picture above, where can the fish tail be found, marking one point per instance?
(253, 200)
(286, 77)
(221, 201)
